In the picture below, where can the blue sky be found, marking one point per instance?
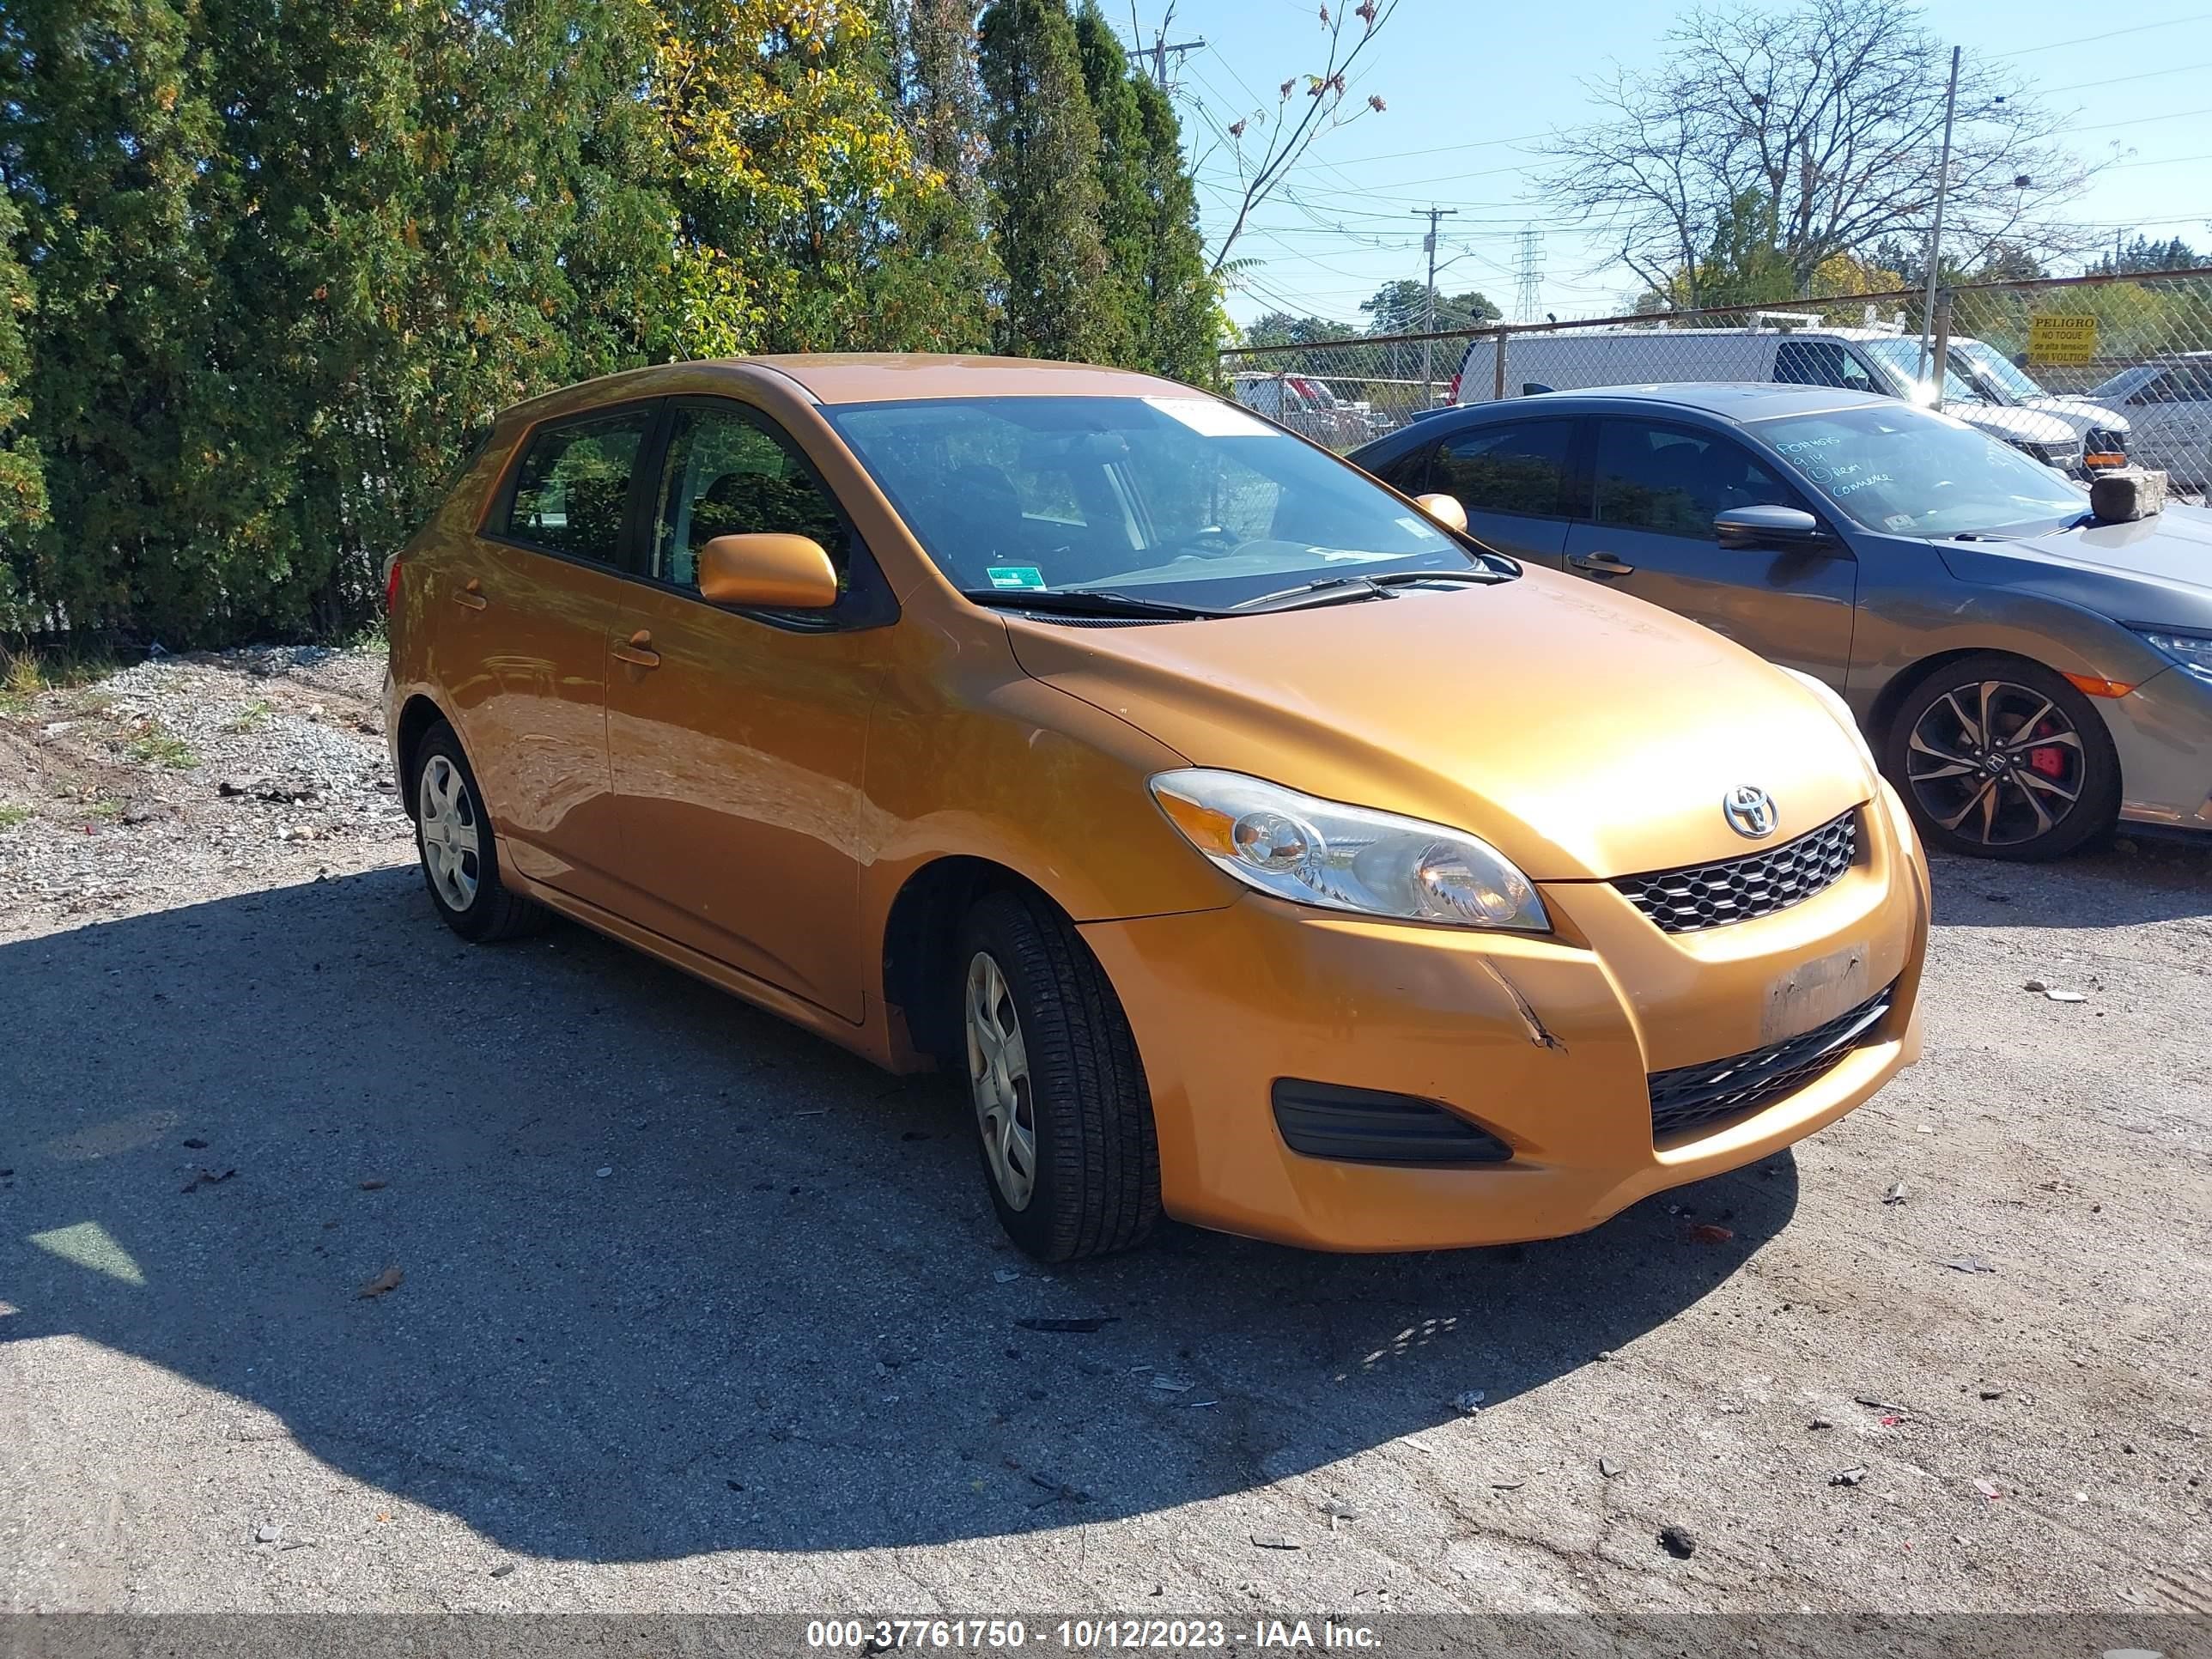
(1467, 85)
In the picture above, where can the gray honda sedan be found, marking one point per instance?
(2027, 676)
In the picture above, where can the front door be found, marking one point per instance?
(736, 737)
(522, 644)
(1650, 532)
(1511, 477)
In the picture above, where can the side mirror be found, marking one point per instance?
(1790, 529)
(1444, 509)
(782, 572)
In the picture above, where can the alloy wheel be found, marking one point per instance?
(447, 815)
(999, 1079)
(1995, 763)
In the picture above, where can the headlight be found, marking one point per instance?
(1347, 858)
(2192, 651)
(1839, 709)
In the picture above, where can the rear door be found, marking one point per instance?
(1511, 477)
(1656, 488)
(521, 641)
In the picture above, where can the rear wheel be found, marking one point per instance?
(1998, 757)
(459, 853)
(1063, 1118)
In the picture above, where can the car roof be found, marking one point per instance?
(867, 377)
(1744, 400)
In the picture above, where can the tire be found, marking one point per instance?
(459, 853)
(2008, 799)
(1093, 1181)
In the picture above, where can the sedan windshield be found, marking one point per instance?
(1184, 499)
(1913, 472)
(1987, 363)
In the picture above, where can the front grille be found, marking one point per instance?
(1690, 1096)
(1741, 889)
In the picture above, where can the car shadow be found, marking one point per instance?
(2133, 880)
(670, 1276)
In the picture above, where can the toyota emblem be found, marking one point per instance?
(1750, 812)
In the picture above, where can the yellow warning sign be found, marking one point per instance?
(2063, 339)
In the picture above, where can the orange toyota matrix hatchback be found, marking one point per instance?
(1267, 852)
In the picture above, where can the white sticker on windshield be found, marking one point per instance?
(1427, 532)
(1211, 418)
(1898, 521)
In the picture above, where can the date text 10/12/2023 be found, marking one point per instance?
(1074, 1635)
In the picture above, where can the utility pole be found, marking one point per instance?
(1161, 49)
(1935, 230)
(1428, 347)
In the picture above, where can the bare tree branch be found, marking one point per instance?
(1293, 129)
(1821, 124)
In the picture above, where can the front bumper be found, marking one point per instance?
(2162, 731)
(1545, 1043)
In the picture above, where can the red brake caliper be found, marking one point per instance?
(2050, 760)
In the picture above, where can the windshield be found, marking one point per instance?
(1987, 362)
(1183, 499)
(1900, 359)
(1913, 472)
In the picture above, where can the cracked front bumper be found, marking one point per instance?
(1545, 1043)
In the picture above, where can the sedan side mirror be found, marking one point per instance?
(1444, 509)
(778, 572)
(1790, 529)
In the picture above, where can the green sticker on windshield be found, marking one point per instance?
(1014, 576)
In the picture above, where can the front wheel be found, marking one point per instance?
(1062, 1114)
(1998, 757)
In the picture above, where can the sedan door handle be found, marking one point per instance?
(472, 595)
(638, 650)
(1602, 564)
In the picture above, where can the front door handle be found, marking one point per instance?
(470, 594)
(1602, 564)
(638, 650)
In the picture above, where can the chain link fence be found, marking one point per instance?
(2076, 371)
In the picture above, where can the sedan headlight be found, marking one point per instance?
(2192, 651)
(1347, 858)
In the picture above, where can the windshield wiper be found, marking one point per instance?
(1341, 590)
(1082, 602)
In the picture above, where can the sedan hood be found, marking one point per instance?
(1585, 734)
(2157, 569)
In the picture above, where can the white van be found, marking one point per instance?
(1856, 358)
(2104, 432)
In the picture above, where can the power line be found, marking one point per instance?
(2102, 35)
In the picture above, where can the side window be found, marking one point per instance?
(573, 488)
(2159, 389)
(1821, 362)
(727, 475)
(1409, 473)
(1512, 469)
(1674, 481)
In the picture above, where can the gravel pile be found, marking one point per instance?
(188, 777)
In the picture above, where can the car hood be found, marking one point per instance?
(1585, 734)
(2157, 569)
(2015, 425)
(2079, 409)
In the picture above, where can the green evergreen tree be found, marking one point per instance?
(1126, 224)
(1184, 321)
(1044, 182)
(23, 472)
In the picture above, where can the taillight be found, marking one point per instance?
(1452, 397)
(392, 586)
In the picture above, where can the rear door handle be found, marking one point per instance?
(1602, 564)
(638, 651)
(472, 595)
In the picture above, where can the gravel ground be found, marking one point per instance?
(691, 1311)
